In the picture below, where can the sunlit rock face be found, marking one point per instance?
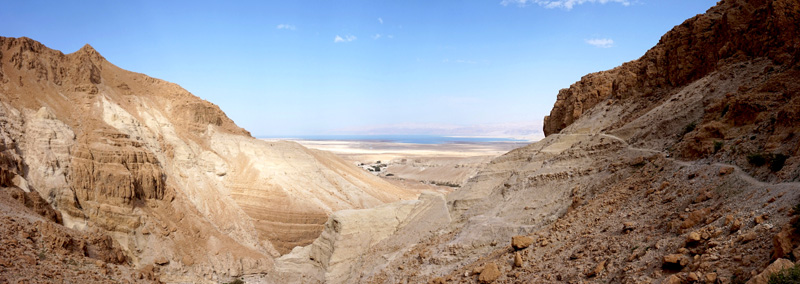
(167, 175)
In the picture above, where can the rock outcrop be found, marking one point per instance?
(167, 175)
(733, 31)
(355, 241)
(692, 149)
(36, 249)
(661, 170)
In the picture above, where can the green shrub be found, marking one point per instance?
(785, 276)
(756, 159)
(717, 146)
(778, 160)
(689, 127)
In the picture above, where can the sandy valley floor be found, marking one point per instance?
(440, 167)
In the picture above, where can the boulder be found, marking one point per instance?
(521, 242)
(778, 265)
(517, 260)
(489, 274)
(675, 261)
(782, 243)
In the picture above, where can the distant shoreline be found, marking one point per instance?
(405, 139)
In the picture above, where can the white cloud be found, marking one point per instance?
(564, 4)
(380, 20)
(347, 38)
(286, 27)
(601, 42)
(390, 36)
(376, 36)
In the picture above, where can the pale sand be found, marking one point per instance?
(370, 151)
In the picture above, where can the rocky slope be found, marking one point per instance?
(171, 179)
(680, 167)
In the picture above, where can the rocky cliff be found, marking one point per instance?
(731, 32)
(168, 176)
(679, 167)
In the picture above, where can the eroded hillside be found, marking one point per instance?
(169, 177)
(681, 166)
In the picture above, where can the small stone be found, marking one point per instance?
(693, 277)
(477, 270)
(711, 277)
(675, 261)
(544, 243)
(437, 280)
(728, 220)
(693, 238)
(517, 260)
(161, 260)
(628, 227)
(725, 170)
(749, 236)
(760, 219)
(673, 279)
(737, 224)
(597, 269)
(489, 274)
(521, 242)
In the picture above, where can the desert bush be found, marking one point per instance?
(786, 276)
(756, 159)
(689, 127)
(717, 146)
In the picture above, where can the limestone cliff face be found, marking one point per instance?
(169, 176)
(733, 31)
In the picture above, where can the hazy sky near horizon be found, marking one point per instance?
(281, 68)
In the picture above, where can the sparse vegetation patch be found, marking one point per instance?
(756, 159)
(689, 128)
(717, 146)
(786, 276)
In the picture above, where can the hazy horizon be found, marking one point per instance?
(329, 67)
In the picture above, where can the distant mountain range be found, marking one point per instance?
(531, 130)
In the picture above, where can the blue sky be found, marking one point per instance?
(282, 68)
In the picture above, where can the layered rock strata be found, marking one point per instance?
(167, 175)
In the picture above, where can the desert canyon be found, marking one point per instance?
(682, 166)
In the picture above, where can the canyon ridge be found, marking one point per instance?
(679, 167)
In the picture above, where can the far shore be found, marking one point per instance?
(371, 150)
(420, 167)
